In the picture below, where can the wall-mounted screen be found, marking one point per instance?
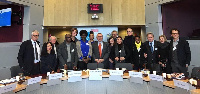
(5, 17)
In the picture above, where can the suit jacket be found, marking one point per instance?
(138, 56)
(48, 63)
(95, 51)
(151, 57)
(26, 55)
(183, 52)
(79, 51)
(115, 53)
(129, 42)
(63, 54)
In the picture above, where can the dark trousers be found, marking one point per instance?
(82, 65)
(153, 67)
(177, 68)
(111, 65)
(34, 71)
(69, 66)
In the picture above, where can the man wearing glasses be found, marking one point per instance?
(129, 45)
(100, 51)
(180, 55)
(114, 35)
(67, 54)
(29, 55)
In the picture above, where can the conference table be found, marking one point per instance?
(105, 86)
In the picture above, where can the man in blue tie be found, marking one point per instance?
(151, 53)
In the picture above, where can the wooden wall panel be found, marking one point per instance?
(74, 12)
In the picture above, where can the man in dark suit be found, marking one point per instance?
(180, 55)
(67, 54)
(53, 40)
(29, 55)
(151, 53)
(129, 45)
(100, 51)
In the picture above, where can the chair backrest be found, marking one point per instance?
(5, 73)
(15, 70)
(128, 66)
(93, 66)
(195, 72)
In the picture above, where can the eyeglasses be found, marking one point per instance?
(99, 36)
(36, 35)
(174, 33)
(129, 31)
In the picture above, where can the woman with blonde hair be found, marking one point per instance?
(163, 51)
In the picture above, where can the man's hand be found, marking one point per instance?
(145, 55)
(186, 65)
(97, 60)
(117, 58)
(65, 67)
(110, 60)
(74, 67)
(101, 60)
(122, 58)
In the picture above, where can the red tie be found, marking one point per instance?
(100, 49)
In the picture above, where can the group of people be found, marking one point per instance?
(74, 54)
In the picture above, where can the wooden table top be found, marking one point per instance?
(20, 87)
(147, 79)
(195, 91)
(105, 75)
(171, 83)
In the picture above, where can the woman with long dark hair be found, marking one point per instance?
(111, 42)
(118, 51)
(48, 58)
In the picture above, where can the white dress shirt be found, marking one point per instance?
(38, 51)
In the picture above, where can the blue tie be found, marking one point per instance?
(151, 47)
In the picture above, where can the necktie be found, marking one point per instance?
(36, 53)
(151, 47)
(100, 49)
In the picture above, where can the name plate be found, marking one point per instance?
(135, 74)
(156, 77)
(95, 72)
(74, 73)
(95, 75)
(7, 88)
(116, 72)
(116, 78)
(74, 79)
(34, 80)
(55, 76)
(181, 84)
